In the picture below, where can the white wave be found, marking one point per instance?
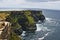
(44, 27)
(43, 36)
(41, 27)
(52, 22)
(48, 18)
(48, 23)
(23, 34)
(38, 27)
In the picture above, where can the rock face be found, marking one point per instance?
(5, 31)
(18, 31)
(24, 20)
(37, 15)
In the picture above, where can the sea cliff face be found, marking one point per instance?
(23, 21)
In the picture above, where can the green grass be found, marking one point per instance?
(29, 17)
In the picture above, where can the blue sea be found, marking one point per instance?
(49, 30)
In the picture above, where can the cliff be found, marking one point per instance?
(22, 21)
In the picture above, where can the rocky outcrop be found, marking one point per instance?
(24, 21)
(29, 19)
(14, 36)
(37, 15)
(5, 31)
(18, 31)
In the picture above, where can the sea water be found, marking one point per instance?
(49, 30)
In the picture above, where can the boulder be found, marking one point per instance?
(31, 28)
(37, 15)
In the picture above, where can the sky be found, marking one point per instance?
(42, 4)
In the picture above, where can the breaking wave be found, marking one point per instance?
(43, 30)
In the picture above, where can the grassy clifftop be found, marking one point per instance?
(3, 15)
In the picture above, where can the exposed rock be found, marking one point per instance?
(24, 20)
(37, 15)
(42, 18)
(18, 31)
(31, 28)
(13, 36)
(5, 31)
(27, 22)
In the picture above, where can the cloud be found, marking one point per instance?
(41, 0)
(27, 4)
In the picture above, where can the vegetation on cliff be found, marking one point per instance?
(3, 15)
(22, 21)
(14, 36)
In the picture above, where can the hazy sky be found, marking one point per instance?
(41, 0)
(42, 4)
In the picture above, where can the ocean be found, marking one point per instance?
(49, 30)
